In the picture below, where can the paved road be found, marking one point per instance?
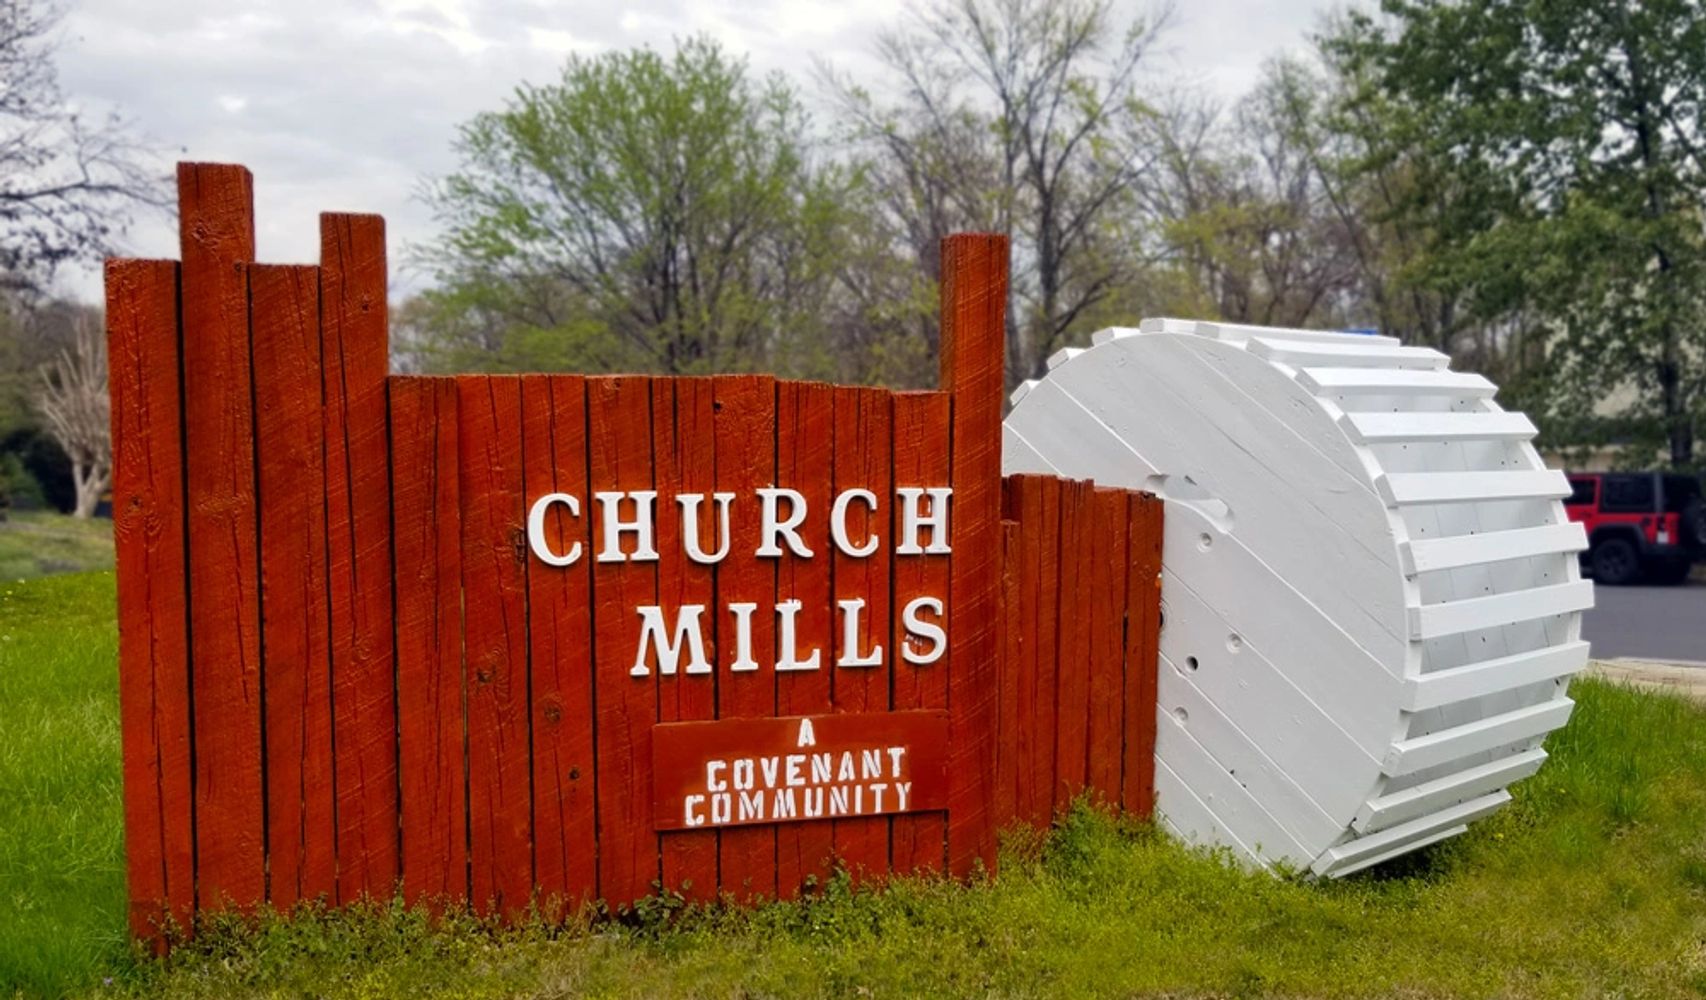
(1654, 623)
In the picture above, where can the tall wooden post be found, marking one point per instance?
(973, 304)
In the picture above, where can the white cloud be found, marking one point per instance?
(347, 105)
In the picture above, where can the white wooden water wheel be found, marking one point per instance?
(1371, 603)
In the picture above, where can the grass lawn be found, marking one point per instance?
(38, 543)
(1593, 883)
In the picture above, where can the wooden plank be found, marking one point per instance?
(1431, 796)
(619, 459)
(1110, 524)
(1405, 382)
(805, 432)
(1430, 621)
(153, 594)
(1344, 355)
(1424, 555)
(973, 311)
(1007, 763)
(918, 843)
(863, 459)
(217, 230)
(1395, 428)
(354, 334)
(745, 428)
(1412, 755)
(1044, 511)
(1405, 488)
(1373, 849)
(494, 588)
(559, 643)
(1475, 680)
(427, 532)
(1072, 609)
(284, 322)
(1142, 650)
(685, 445)
(729, 773)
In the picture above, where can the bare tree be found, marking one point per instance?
(1008, 117)
(67, 185)
(73, 401)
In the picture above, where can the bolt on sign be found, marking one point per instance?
(542, 640)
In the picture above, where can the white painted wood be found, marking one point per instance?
(1459, 786)
(1412, 755)
(1062, 356)
(1477, 680)
(1400, 850)
(1408, 835)
(1427, 555)
(1388, 428)
(1434, 620)
(1112, 333)
(1303, 354)
(1395, 382)
(1370, 588)
(1021, 391)
(1400, 488)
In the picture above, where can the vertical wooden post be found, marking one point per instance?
(973, 306)
(805, 434)
(153, 593)
(301, 833)
(745, 426)
(559, 642)
(685, 452)
(355, 345)
(430, 682)
(1142, 651)
(217, 234)
(494, 585)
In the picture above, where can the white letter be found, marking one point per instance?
(773, 528)
(786, 611)
(911, 521)
(536, 529)
(850, 637)
(711, 769)
(916, 626)
(743, 636)
(904, 790)
(838, 523)
(895, 753)
(808, 738)
(693, 820)
(611, 507)
(652, 634)
(690, 525)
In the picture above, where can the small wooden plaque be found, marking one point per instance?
(743, 772)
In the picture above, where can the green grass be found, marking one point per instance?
(1592, 883)
(38, 543)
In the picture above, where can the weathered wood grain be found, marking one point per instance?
(217, 230)
(427, 531)
(284, 303)
(153, 592)
(354, 332)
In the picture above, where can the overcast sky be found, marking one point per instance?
(346, 105)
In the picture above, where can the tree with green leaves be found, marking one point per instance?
(645, 212)
(1557, 158)
(1011, 115)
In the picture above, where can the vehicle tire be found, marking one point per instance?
(1615, 562)
(1693, 525)
(1669, 572)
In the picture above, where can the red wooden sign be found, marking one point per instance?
(750, 771)
(508, 640)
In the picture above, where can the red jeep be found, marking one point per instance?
(1640, 525)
